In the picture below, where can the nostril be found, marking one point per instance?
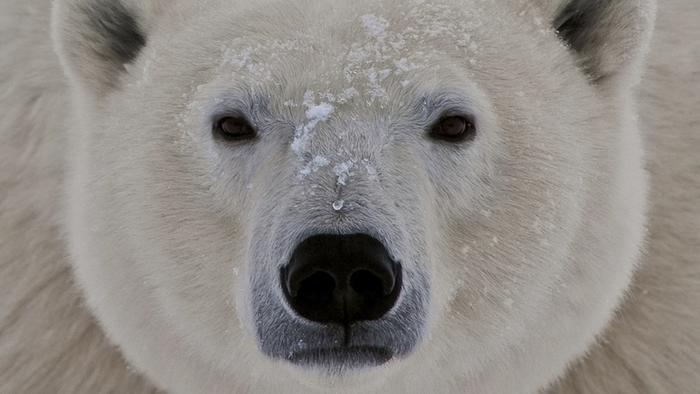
(369, 285)
(316, 289)
(341, 279)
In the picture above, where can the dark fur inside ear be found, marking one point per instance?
(113, 32)
(609, 38)
(97, 39)
(576, 25)
(574, 20)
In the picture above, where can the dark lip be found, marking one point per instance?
(337, 359)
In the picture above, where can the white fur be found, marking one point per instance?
(530, 236)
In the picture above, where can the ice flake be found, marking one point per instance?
(301, 140)
(338, 205)
(308, 98)
(375, 88)
(342, 172)
(375, 26)
(314, 165)
(347, 95)
(319, 113)
(403, 65)
(315, 113)
(371, 171)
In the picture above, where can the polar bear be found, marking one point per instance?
(368, 196)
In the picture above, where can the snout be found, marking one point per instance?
(341, 279)
(340, 301)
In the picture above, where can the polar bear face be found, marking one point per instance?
(477, 161)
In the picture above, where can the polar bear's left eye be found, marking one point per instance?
(234, 128)
(453, 128)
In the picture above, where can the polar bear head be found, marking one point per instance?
(415, 196)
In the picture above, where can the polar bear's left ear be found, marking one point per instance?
(610, 38)
(96, 39)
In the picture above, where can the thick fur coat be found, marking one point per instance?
(121, 241)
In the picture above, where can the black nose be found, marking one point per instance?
(341, 279)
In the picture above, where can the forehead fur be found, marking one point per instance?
(364, 50)
(358, 55)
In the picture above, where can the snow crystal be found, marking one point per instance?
(375, 78)
(300, 345)
(309, 97)
(342, 171)
(375, 26)
(319, 112)
(315, 114)
(338, 205)
(301, 140)
(320, 161)
(314, 165)
(371, 171)
(243, 60)
(347, 95)
(403, 65)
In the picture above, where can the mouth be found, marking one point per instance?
(339, 358)
(341, 303)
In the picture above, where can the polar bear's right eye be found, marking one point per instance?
(234, 128)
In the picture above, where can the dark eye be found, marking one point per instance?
(454, 129)
(234, 128)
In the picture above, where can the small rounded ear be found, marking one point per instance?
(96, 39)
(610, 38)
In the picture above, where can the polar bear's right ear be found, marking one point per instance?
(96, 39)
(609, 37)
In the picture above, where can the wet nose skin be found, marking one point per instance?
(341, 279)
